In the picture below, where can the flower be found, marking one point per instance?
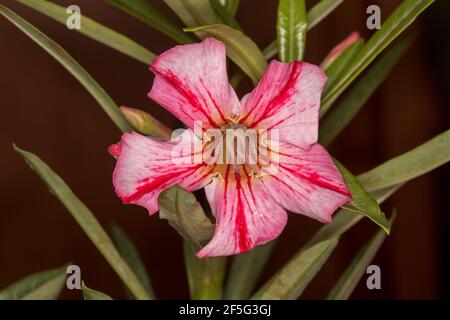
(249, 202)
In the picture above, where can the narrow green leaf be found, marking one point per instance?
(341, 116)
(337, 67)
(108, 105)
(292, 279)
(86, 220)
(223, 13)
(193, 12)
(130, 254)
(205, 276)
(362, 202)
(180, 208)
(246, 270)
(317, 13)
(144, 11)
(94, 30)
(400, 19)
(232, 6)
(292, 25)
(409, 165)
(91, 294)
(357, 268)
(271, 50)
(46, 285)
(240, 48)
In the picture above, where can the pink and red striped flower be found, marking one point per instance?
(249, 205)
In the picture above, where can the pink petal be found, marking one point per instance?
(337, 51)
(114, 150)
(288, 99)
(192, 83)
(246, 216)
(145, 167)
(308, 182)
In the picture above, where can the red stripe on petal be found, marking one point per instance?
(155, 184)
(284, 95)
(190, 96)
(241, 231)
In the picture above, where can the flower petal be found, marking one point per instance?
(246, 216)
(192, 83)
(307, 182)
(114, 150)
(288, 99)
(145, 167)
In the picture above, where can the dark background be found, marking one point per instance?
(45, 110)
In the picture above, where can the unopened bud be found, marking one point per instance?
(145, 123)
(339, 49)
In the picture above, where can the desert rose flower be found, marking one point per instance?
(248, 200)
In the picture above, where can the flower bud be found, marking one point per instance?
(145, 123)
(339, 49)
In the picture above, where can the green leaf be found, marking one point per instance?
(86, 220)
(271, 50)
(317, 13)
(400, 19)
(291, 29)
(91, 294)
(130, 254)
(362, 202)
(341, 116)
(93, 30)
(337, 67)
(180, 208)
(223, 13)
(246, 270)
(144, 11)
(232, 6)
(409, 165)
(193, 12)
(357, 268)
(240, 48)
(292, 279)
(56, 51)
(205, 276)
(46, 285)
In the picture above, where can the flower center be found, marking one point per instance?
(237, 151)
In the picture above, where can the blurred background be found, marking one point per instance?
(45, 110)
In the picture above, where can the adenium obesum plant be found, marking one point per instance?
(247, 201)
(256, 157)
